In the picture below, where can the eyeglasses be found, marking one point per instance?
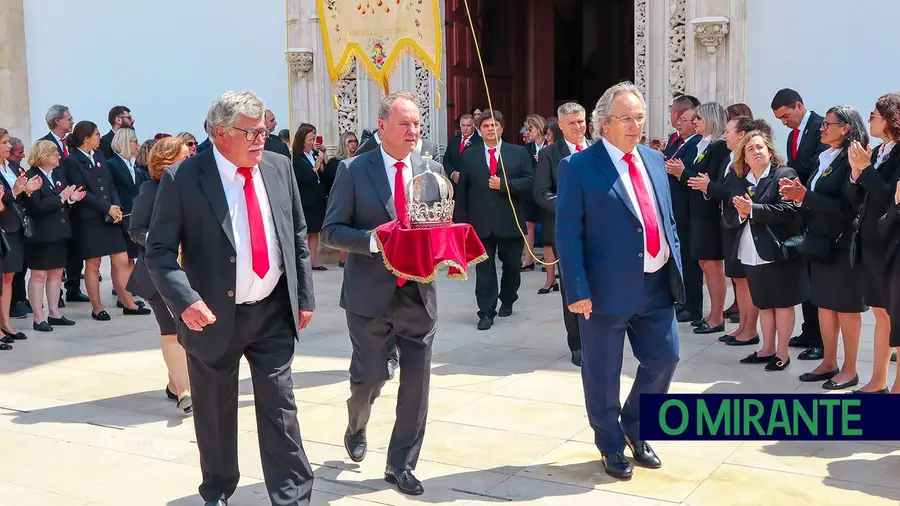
(191, 144)
(826, 124)
(253, 133)
(874, 115)
(629, 120)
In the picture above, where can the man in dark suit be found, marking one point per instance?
(490, 174)
(458, 144)
(619, 255)
(380, 307)
(243, 288)
(686, 150)
(804, 144)
(118, 117)
(59, 121)
(273, 142)
(573, 126)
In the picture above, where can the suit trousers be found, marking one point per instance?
(407, 324)
(487, 291)
(573, 332)
(653, 333)
(19, 293)
(264, 335)
(690, 267)
(74, 266)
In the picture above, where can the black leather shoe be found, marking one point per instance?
(698, 322)
(799, 341)
(576, 358)
(831, 385)
(170, 394)
(894, 356)
(811, 377)
(860, 391)
(138, 303)
(777, 364)
(485, 323)
(812, 353)
(220, 502)
(139, 311)
(706, 328)
(684, 316)
(77, 297)
(102, 316)
(61, 321)
(355, 444)
(42, 327)
(617, 466)
(737, 342)
(404, 480)
(392, 367)
(756, 358)
(643, 454)
(504, 310)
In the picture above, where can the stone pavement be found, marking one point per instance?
(84, 421)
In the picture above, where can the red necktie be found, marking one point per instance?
(65, 150)
(651, 227)
(493, 167)
(578, 147)
(462, 145)
(400, 202)
(796, 142)
(258, 246)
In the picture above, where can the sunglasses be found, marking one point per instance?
(191, 144)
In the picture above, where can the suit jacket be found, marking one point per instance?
(672, 145)
(276, 145)
(140, 283)
(95, 178)
(309, 182)
(827, 213)
(546, 178)
(52, 138)
(715, 159)
(49, 214)
(770, 212)
(106, 145)
(361, 200)
(679, 193)
(126, 186)
(452, 159)
(11, 216)
(871, 195)
(488, 210)
(203, 146)
(191, 211)
(809, 149)
(599, 237)
(370, 144)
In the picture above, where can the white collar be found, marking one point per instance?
(497, 147)
(390, 161)
(89, 155)
(573, 147)
(615, 153)
(761, 177)
(226, 168)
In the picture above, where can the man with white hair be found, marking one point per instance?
(620, 260)
(242, 289)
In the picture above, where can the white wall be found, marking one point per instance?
(166, 61)
(827, 50)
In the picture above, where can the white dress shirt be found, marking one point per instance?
(883, 151)
(391, 172)
(573, 148)
(701, 146)
(825, 159)
(130, 167)
(250, 288)
(747, 252)
(651, 264)
(487, 155)
(801, 128)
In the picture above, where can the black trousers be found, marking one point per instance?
(693, 275)
(407, 324)
(264, 334)
(487, 290)
(19, 293)
(74, 267)
(573, 332)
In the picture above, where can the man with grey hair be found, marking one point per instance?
(60, 122)
(274, 142)
(619, 255)
(241, 289)
(16, 153)
(380, 307)
(573, 126)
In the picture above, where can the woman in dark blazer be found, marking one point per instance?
(99, 219)
(46, 251)
(777, 276)
(728, 186)
(705, 213)
(535, 126)
(126, 178)
(873, 179)
(836, 284)
(16, 188)
(164, 153)
(308, 166)
(889, 229)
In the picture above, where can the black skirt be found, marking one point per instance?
(734, 269)
(14, 261)
(46, 256)
(164, 318)
(530, 209)
(315, 216)
(706, 238)
(100, 239)
(835, 286)
(780, 284)
(874, 285)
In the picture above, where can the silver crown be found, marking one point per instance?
(429, 198)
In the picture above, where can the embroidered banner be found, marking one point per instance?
(378, 33)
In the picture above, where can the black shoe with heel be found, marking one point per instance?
(553, 288)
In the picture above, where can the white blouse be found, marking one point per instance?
(825, 159)
(747, 252)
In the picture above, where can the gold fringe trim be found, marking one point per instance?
(462, 276)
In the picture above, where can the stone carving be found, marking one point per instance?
(301, 60)
(676, 46)
(348, 105)
(423, 91)
(640, 45)
(710, 31)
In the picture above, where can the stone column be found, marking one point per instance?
(15, 111)
(717, 41)
(711, 32)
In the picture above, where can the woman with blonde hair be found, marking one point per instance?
(535, 126)
(190, 141)
(46, 248)
(165, 152)
(126, 178)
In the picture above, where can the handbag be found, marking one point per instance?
(788, 248)
(854, 233)
(27, 226)
(815, 248)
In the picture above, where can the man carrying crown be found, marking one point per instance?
(381, 308)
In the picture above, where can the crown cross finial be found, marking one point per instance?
(429, 199)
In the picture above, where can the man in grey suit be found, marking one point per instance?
(382, 309)
(243, 288)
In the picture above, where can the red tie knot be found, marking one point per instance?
(578, 147)
(399, 166)
(629, 158)
(492, 150)
(247, 172)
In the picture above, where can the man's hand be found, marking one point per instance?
(494, 183)
(582, 307)
(197, 316)
(455, 176)
(305, 318)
